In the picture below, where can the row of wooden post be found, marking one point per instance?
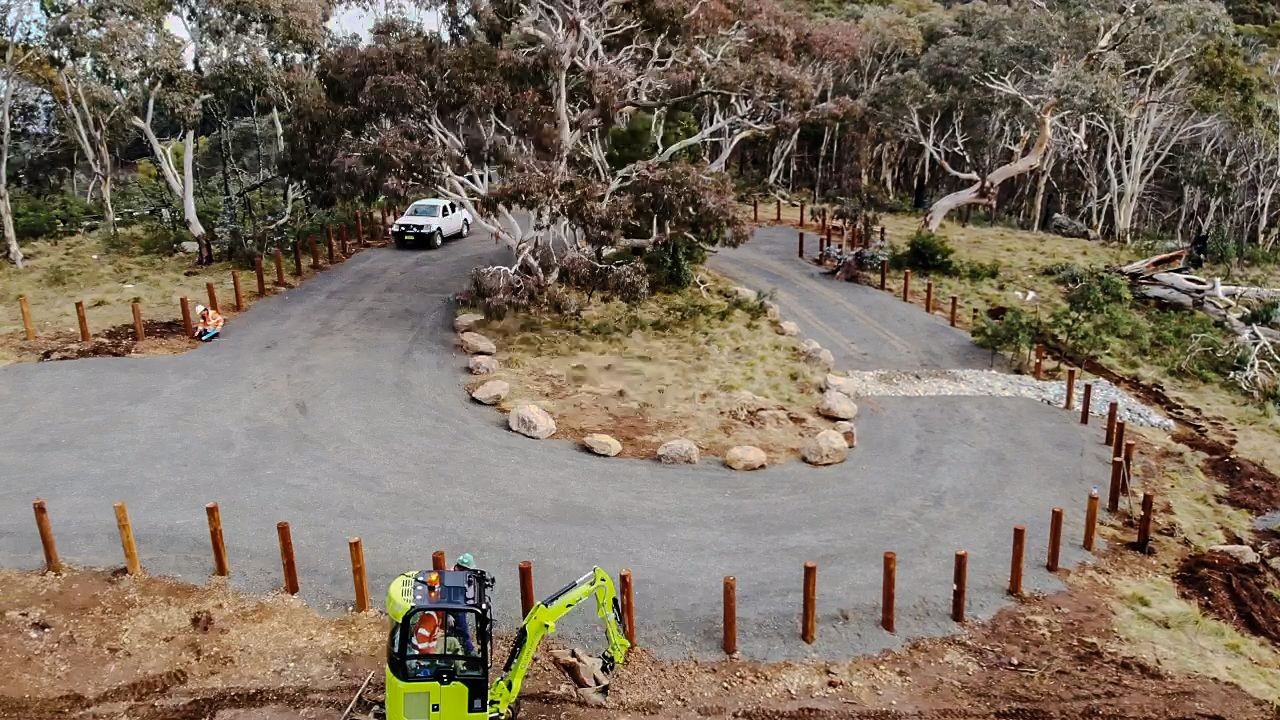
(289, 566)
(82, 320)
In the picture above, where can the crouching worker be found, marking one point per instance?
(208, 323)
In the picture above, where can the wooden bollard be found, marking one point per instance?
(955, 302)
(1038, 371)
(438, 562)
(364, 241)
(329, 241)
(828, 245)
(973, 317)
(884, 274)
(139, 330)
(906, 286)
(881, 233)
(259, 276)
(800, 244)
(755, 209)
(809, 606)
(221, 567)
(889, 592)
(342, 239)
(278, 258)
(1144, 523)
(52, 563)
(212, 292)
(27, 326)
(383, 210)
(314, 248)
(802, 214)
(1086, 404)
(730, 643)
(1091, 520)
(297, 257)
(127, 543)
(1117, 447)
(777, 216)
(527, 600)
(628, 591)
(187, 327)
(928, 296)
(1070, 401)
(237, 291)
(357, 574)
(1112, 410)
(1016, 561)
(83, 321)
(287, 562)
(1117, 479)
(1055, 540)
(331, 251)
(959, 585)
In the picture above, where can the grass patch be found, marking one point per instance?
(709, 367)
(1153, 622)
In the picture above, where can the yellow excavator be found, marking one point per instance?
(438, 652)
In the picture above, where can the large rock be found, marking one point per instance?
(473, 343)
(837, 405)
(467, 321)
(786, 327)
(746, 294)
(190, 247)
(839, 383)
(1242, 553)
(827, 448)
(493, 392)
(808, 345)
(772, 311)
(482, 364)
(531, 421)
(850, 433)
(679, 451)
(745, 457)
(602, 444)
(820, 358)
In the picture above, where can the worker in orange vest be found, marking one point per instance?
(208, 323)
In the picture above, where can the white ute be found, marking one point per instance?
(431, 221)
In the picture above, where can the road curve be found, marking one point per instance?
(339, 407)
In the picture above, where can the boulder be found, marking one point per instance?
(850, 433)
(482, 364)
(808, 345)
(467, 321)
(820, 358)
(774, 418)
(1242, 553)
(746, 294)
(745, 457)
(492, 392)
(531, 421)
(602, 444)
(189, 247)
(473, 343)
(837, 405)
(839, 383)
(827, 448)
(786, 327)
(772, 311)
(679, 451)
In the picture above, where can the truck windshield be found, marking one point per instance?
(425, 211)
(431, 641)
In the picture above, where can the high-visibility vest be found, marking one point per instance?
(426, 634)
(211, 320)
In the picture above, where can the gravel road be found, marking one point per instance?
(339, 407)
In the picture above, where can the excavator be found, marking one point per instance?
(438, 651)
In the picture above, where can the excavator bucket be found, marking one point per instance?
(586, 672)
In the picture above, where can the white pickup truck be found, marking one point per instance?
(430, 221)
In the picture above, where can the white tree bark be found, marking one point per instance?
(12, 251)
(88, 127)
(181, 186)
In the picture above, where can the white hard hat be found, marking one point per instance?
(200, 309)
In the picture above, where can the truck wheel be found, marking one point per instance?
(437, 239)
(466, 229)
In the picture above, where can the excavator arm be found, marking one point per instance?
(541, 621)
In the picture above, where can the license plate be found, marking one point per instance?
(409, 236)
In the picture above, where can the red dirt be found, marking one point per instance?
(1236, 593)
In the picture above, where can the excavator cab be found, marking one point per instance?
(438, 650)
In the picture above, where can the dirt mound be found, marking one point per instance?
(97, 347)
(1234, 592)
(1250, 486)
(162, 336)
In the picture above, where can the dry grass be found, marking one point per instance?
(1154, 623)
(677, 365)
(1196, 506)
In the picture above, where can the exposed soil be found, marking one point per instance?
(95, 644)
(1233, 592)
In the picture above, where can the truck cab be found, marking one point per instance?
(430, 221)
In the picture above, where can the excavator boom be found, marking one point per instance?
(541, 621)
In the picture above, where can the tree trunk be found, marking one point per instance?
(12, 251)
(189, 199)
(1037, 203)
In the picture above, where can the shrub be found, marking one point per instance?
(1097, 312)
(1064, 273)
(671, 263)
(978, 271)
(1012, 333)
(927, 253)
(1267, 313)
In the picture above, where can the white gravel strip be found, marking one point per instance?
(921, 383)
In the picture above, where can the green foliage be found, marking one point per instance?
(1168, 336)
(672, 264)
(1013, 333)
(926, 253)
(41, 217)
(634, 142)
(978, 271)
(1267, 313)
(1064, 273)
(1098, 312)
